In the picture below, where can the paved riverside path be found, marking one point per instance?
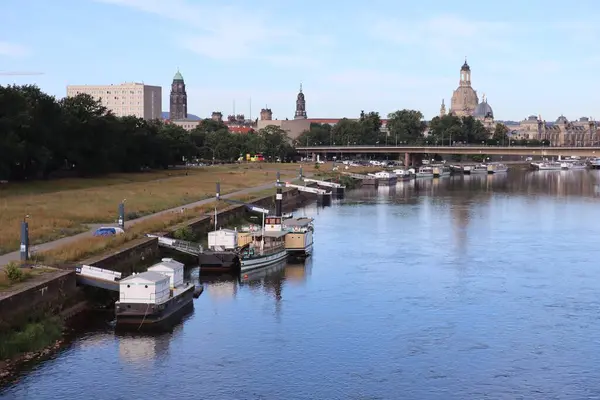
(14, 256)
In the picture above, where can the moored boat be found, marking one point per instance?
(425, 171)
(299, 236)
(385, 177)
(496, 168)
(547, 166)
(480, 169)
(264, 246)
(594, 163)
(154, 299)
(440, 171)
(403, 174)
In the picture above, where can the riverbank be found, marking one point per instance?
(65, 208)
(126, 258)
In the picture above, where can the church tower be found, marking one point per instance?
(442, 109)
(178, 104)
(465, 75)
(464, 99)
(300, 106)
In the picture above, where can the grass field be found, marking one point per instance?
(63, 207)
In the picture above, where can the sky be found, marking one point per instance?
(527, 57)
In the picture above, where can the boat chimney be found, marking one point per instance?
(278, 197)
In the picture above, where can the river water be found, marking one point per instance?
(481, 287)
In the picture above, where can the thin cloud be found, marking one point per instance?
(13, 50)
(446, 34)
(229, 33)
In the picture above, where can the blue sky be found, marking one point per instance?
(527, 57)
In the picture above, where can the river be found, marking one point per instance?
(481, 287)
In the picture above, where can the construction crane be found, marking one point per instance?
(20, 73)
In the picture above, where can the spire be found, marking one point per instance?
(300, 105)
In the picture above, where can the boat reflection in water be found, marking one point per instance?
(140, 349)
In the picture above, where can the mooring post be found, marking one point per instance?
(121, 220)
(218, 195)
(24, 249)
(278, 196)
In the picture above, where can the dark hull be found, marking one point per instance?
(155, 316)
(219, 262)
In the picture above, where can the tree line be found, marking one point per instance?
(407, 127)
(41, 135)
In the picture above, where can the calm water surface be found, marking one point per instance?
(482, 287)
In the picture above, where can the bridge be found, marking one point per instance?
(190, 248)
(467, 150)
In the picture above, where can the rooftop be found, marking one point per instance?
(147, 276)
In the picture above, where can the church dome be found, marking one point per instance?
(465, 67)
(483, 110)
(178, 76)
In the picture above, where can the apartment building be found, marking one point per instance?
(136, 99)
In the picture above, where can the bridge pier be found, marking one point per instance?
(407, 159)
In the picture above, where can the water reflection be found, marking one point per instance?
(460, 288)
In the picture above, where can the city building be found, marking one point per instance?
(178, 101)
(465, 101)
(126, 99)
(293, 128)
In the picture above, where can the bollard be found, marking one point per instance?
(24, 250)
(121, 220)
(278, 197)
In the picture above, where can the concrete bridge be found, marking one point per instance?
(469, 150)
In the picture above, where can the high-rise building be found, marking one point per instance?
(126, 99)
(178, 103)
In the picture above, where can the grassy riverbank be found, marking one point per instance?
(64, 207)
(33, 337)
(91, 246)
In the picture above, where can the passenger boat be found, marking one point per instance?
(299, 236)
(154, 299)
(594, 162)
(547, 166)
(440, 171)
(385, 177)
(403, 175)
(576, 165)
(496, 168)
(480, 169)
(264, 246)
(425, 171)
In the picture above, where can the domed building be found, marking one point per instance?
(464, 99)
(484, 113)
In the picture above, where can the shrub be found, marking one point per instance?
(14, 273)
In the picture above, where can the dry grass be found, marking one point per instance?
(28, 274)
(87, 247)
(63, 207)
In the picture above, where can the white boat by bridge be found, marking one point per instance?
(547, 166)
(496, 168)
(425, 171)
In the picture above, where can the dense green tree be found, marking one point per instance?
(500, 135)
(452, 129)
(406, 126)
(40, 135)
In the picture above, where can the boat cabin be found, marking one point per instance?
(170, 268)
(302, 224)
(145, 288)
(223, 239)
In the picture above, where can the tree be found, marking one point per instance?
(406, 126)
(500, 135)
